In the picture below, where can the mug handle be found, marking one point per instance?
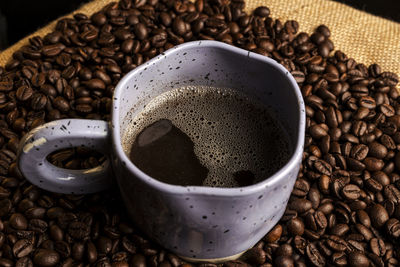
(67, 133)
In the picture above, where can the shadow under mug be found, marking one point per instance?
(195, 222)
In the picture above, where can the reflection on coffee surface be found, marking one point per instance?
(166, 153)
(200, 135)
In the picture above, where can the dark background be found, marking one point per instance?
(18, 18)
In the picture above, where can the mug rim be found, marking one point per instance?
(272, 180)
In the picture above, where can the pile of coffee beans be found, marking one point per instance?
(345, 206)
(76, 158)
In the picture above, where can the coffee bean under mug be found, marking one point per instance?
(197, 222)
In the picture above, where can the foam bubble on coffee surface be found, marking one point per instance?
(230, 132)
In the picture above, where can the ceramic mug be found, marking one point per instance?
(195, 222)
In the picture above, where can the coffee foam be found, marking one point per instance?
(230, 132)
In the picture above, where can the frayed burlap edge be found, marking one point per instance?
(366, 38)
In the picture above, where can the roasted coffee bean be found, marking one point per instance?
(340, 229)
(373, 185)
(377, 246)
(314, 255)
(6, 262)
(373, 164)
(298, 76)
(336, 243)
(46, 257)
(38, 101)
(351, 192)
(78, 230)
(24, 93)
(140, 31)
(299, 244)
(284, 250)
(24, 262)
(359, 152)
(355, 165)
(52, 50)
(317, 131)
(295, 226)
(62, 248)
(63, 59)
(300, 205)
(22, 248)
(324, 30)
(61, 104)
(323, 184)
(393, 227)
(326, 208)
(99, 18)
(339, 259)
(6, 85)
(255, 256)
(56, 233)
(262, 11)
(381, 177)
(357, 259)
(38, 79)
(392, 193)
(312, 235)
(364, 231)
(18, 221)
(323, 167)
(301, 188)
(274, 234)
(367, 102)
(91, 252)
(387, 110)
(377, 150)
(355, 245)
(37, 225)
(363, 218)
(12, 116)
(376, 260)
(378, 215)
(35, 213)
(104, 245)
(96, 84)
(320, 220)
(138, 260)
(315, 197)
(4, 193)
(77, 251)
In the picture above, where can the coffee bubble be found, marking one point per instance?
(231, 132)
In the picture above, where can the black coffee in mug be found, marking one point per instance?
(200, 135)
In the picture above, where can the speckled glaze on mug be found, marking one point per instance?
(195, 222)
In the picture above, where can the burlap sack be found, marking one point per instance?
(366, 38)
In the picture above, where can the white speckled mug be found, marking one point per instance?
(196, 222)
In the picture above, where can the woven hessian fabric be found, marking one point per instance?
(364, 37)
